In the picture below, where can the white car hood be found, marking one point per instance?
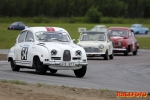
(91, 43)
(62, 46)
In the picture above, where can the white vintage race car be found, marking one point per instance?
(47, 48)
(96, 44)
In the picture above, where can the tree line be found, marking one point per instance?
(75, 8)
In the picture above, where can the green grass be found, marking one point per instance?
(8, 37)
(14, 82)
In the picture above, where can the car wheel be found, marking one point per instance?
(135, 52)
(14, 67)
(80, 72)
(39, 67)
(137, 32)
(53, 71)
(106, 55)
(126, 52)
(111, 56)
(146, 32)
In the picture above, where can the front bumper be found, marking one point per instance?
(58, 65)
(119, 49)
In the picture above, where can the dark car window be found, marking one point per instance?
(22, 37)
(15, 23)
(20, 24)
(29, 37)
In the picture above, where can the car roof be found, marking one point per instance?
(136, 24)
(48, 29)
(119, 28)
(99, 26)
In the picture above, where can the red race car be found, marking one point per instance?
(123, 40)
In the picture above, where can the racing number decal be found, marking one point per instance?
(24, 53)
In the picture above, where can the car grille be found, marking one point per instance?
(66, 55)
(76, 58)
(91, 49)
(56, 58)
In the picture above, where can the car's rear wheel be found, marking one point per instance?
(80, 72)
(111, 56)
(53, 71)
(39, 67)
(126, 52)
(135, 52)
(106, 55)
(14, 67)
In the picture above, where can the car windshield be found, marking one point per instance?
(93, 36)
(52, 36)
(121, 33)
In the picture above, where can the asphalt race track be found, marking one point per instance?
(123, 73)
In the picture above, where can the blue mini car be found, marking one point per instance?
(17, 26)
(139, 29)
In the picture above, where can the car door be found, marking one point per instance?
(140, 29)
(132, 41)
(21, 26)
(18, 48)
(29, 44)
(110, 45)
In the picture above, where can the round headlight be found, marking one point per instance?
(53, 52)
(78, 53)
(101, 46)
(119, 43)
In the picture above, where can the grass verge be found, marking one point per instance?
(8, 37)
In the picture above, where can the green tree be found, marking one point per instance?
(93, 15)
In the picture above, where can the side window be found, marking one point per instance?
(29, 37)
(132, 34)
(22, 37)
(108, 37)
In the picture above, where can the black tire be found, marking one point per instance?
(126, 52)
(53, 71)
(146, 32)
(39, 67)
(14, 67)
(106, 55)
(111, 56)
(137, 33)
(80, 72)
(135, 52)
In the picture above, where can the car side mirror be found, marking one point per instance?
(30, 40)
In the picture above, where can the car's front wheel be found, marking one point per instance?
(111, 56)
(106, 55)
(126, 52)
(39, 67)
(146, 32)
(53, 71)
(80, 72)
(14, 67)
(135, 52)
